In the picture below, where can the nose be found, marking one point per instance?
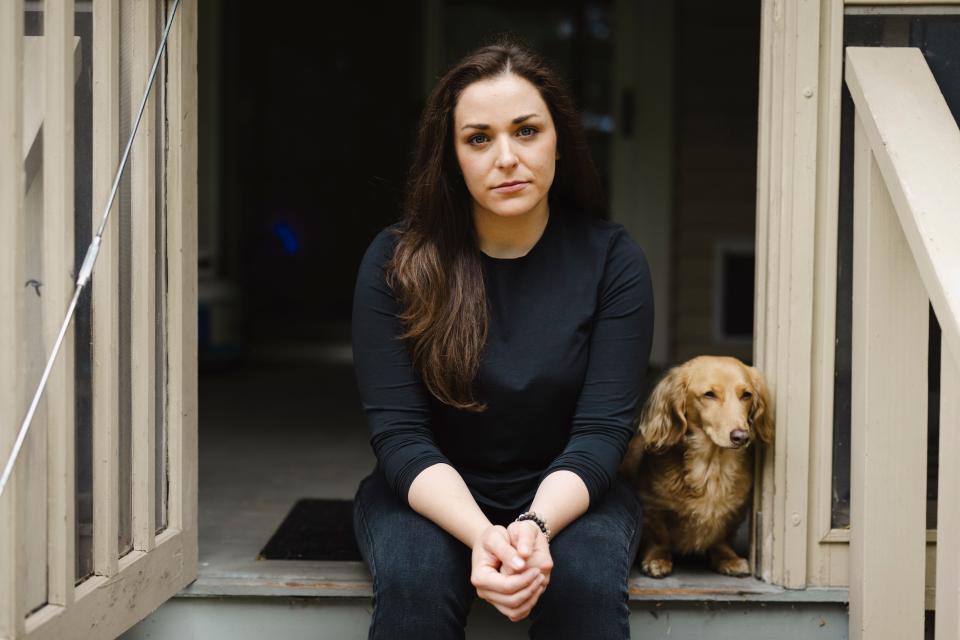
(739, 437)
(505, 156)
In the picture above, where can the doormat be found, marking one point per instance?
(314, 529)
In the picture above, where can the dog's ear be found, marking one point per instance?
(663, 421)
(630, 464)
(761, 412)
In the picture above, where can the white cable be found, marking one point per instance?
(86, 269)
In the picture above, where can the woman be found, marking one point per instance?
(500, 334)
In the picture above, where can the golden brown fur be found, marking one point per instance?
(692, 463)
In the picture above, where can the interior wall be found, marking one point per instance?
(317, 120)
(316, 127)
(642, 165)
(715, 116)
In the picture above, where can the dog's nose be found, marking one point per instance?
(739, 437)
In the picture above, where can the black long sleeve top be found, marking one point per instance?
(569, 338)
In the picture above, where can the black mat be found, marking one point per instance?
(314, 530)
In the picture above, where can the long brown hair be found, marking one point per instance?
(436, 270)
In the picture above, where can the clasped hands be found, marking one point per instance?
(511, 567)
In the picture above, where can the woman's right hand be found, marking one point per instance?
(510, 594)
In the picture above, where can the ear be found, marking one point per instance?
(761, 411)
(663, 421)
(631, 461)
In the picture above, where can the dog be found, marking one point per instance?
(691, 461)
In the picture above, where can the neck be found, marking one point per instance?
(510, 236)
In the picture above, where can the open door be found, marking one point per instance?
(98, 524)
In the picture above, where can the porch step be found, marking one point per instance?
(297, 578)
(331, 600)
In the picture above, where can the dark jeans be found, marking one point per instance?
(421, 574)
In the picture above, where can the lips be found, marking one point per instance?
(509, 184)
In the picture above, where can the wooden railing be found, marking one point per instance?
(42, 593)
(906, 256)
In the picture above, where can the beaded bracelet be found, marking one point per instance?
(537, 520)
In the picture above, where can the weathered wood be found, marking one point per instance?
(34, 453)
(786, 194)
(13, 567)
(105, 312)
(58, 288)
(182, 296)
(948, 499)
(888, 416)
(106, 607)
(143, 316)
(904, 3)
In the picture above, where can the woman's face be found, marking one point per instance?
(503, 132)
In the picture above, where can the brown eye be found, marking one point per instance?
(746, 395)
(710, 394)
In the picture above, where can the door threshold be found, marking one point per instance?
(303, 578)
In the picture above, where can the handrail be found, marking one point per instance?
(916, 143)
(89, 260)
(906, 251)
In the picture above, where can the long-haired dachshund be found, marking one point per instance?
(692, 463)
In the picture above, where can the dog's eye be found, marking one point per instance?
(746, 395)
(710, 394)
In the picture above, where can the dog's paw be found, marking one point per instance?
(657, 567)
(738, 567)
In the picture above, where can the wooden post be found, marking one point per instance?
(105, 313)
(182, 296)
(13, 567)
(786, 200)
(143, 321)
(888, 416)
(948, 501)
(58, 287)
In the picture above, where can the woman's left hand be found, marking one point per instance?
(532, 546)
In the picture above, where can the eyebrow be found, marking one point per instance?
(516, 120)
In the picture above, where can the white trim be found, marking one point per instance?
(825, 299)
(892, 4)
(786, 194)
(948, 513)
(920, 145)
(904, 124)
(13, 565)
(914, 10)
(889, 371)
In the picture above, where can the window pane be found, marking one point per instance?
(938, 37)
